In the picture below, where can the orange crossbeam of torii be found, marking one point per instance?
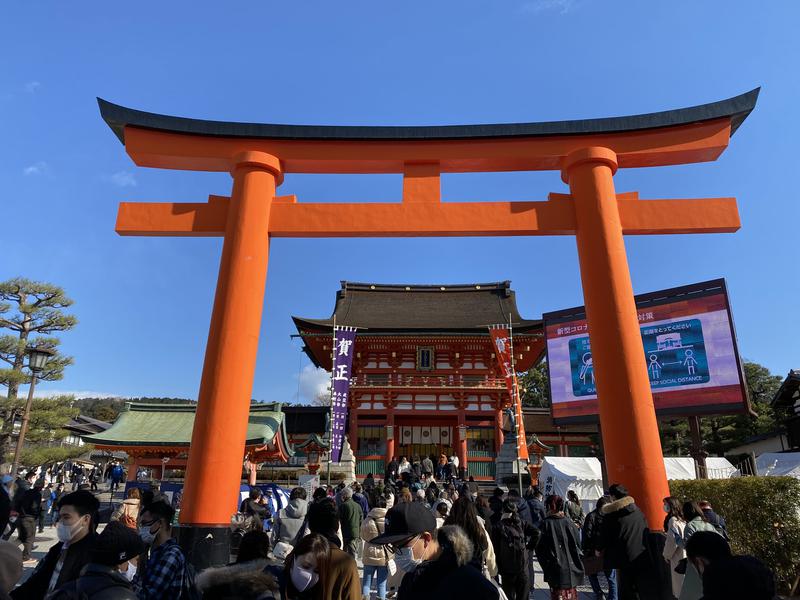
(587, 153)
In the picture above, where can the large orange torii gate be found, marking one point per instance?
(586, 152)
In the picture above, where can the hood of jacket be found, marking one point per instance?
(626, 505)
(377, 513)
(240, 572)
(297, 508)
(430, 575)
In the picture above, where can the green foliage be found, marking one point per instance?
(31, 311)
(48, 417)
(720, 433)
(42, 455)
(534, 386)
(159, 400)
(762, 513)
(103, 409)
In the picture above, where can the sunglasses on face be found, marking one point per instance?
(397, 547)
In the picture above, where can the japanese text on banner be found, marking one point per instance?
(344, 342)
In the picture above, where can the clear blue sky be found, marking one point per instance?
(144, 303)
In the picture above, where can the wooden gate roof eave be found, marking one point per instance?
(692, 134)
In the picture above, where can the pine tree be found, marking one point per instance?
(534, 386)
(32, 311)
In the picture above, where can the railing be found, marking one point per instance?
(426, 381)
(480, 453)
(375, 466)
(480, 469)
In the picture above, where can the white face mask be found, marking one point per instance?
(302, 579)
(405, 558)
(66, 532)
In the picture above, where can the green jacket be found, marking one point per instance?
(350, 516)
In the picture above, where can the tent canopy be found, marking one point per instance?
(680, 467)
(719, 467)
(584, 475)
(779, 463)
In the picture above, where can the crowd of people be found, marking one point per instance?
(417, 536)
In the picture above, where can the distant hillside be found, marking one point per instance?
(108, 409)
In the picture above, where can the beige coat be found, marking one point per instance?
(674, 552)
(130, 507)
(372, 527)
(489, 559)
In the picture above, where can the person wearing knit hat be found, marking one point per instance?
(101, 578)
(10, 567)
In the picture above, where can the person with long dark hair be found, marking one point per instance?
(464, 515)
(674, 547)
(317, 570)
(559, 552)
(695, 520)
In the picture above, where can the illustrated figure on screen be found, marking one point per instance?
(690, 361)
(654, 367)
(587, 369)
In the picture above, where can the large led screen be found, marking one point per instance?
(689, 347)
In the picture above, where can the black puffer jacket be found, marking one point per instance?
(592, 528)
(449, 576)
(623, 532)
(97, 582)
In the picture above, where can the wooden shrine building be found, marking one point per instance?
(158, 436)
(425, 380)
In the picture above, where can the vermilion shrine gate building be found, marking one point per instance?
(425, 379)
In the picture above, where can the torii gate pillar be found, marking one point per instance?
(627, 414)
(226, 385)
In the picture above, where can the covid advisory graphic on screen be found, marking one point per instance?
(689, 349)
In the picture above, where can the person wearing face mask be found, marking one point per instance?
(435, 562)
(725, 576)
(317, 570)
(65, 560)
(102, 579)
(165, 575)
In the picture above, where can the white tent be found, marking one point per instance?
(680, 467)
(585, 476)
(779, 463)
(582, 474)
(719, 467)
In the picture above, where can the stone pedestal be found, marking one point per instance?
(505, 466)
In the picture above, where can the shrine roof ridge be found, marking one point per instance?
(736, 108)
(425, 287)
(401, 308)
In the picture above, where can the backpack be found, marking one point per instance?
(189, 589)
(511, 554)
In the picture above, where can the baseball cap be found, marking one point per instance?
(405, 520)
(117, 544)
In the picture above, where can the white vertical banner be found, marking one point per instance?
(435, 434)
(416, 435)
(405, 433)
(426, 435)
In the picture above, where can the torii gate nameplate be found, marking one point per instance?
(587, 153)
